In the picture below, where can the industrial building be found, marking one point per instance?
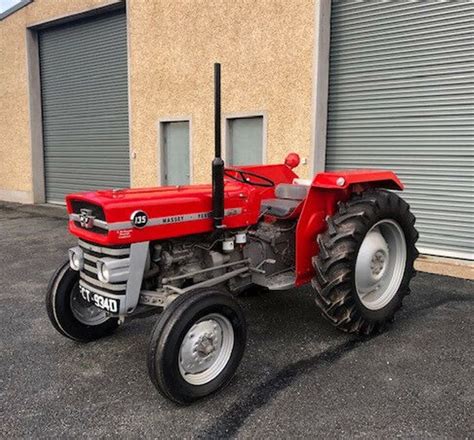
(98, 94)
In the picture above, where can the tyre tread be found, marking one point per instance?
(164, 327)
(335, 262)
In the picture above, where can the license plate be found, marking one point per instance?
(111, 305)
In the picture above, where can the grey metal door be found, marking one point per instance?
(401, 97)
(175, 156)
(245, 141)
(85, 105)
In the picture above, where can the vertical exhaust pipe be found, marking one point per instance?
(217, 163)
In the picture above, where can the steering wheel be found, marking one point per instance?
(245, 177)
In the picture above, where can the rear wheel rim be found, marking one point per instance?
(380, 264)
(206, 349)
(85, 312)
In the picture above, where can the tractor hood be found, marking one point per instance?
(113, 217)
(120, 217)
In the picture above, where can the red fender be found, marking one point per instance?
(327, 189)
(347, 178)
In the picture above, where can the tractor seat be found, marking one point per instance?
(288, 197)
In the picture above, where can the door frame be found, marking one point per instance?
(35, 102)
(161, 145)
(320, 92)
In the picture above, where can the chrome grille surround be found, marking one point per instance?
(88, 275)
(88, 216)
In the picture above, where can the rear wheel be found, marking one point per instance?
(196, 345)
(70, 314)
(365, 262)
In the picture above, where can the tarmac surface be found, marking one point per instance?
(299, 378)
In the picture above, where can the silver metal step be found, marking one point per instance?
(282, 281)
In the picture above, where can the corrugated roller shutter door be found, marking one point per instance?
(85, 105)
(401, 97)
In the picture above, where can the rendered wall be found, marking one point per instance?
(15, 142)
(266, 50)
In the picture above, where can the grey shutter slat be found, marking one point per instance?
(84, 87)
(401, 97)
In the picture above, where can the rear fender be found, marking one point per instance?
(327, 189)
(365, 178)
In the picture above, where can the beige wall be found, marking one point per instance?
(265, 48)
(15, 142)
(266, 51)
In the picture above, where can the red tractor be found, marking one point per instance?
(187, 251)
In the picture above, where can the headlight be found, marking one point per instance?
(76, 258)
(103, 272)
(113, 270)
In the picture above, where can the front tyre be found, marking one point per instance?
(365, 262)
(196, 345)
(70, 314)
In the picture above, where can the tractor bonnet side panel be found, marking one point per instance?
(167, 212)
(154, 214)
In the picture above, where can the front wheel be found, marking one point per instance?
(196, 345)
(70, 314)
(365, 261)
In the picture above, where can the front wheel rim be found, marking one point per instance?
(206, 349)
(85, 312)
(380, 264)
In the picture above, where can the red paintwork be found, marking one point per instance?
(386, 179)
(292, 160)
(326, 190)
(174, 201)
(321, 202)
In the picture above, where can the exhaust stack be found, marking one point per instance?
(217, 163)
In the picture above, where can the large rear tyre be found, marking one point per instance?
(70, 314)
(365, 262)
(196, 345)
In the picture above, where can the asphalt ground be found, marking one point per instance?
(300, 378)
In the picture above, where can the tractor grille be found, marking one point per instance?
(88, 274)
(96, 211)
